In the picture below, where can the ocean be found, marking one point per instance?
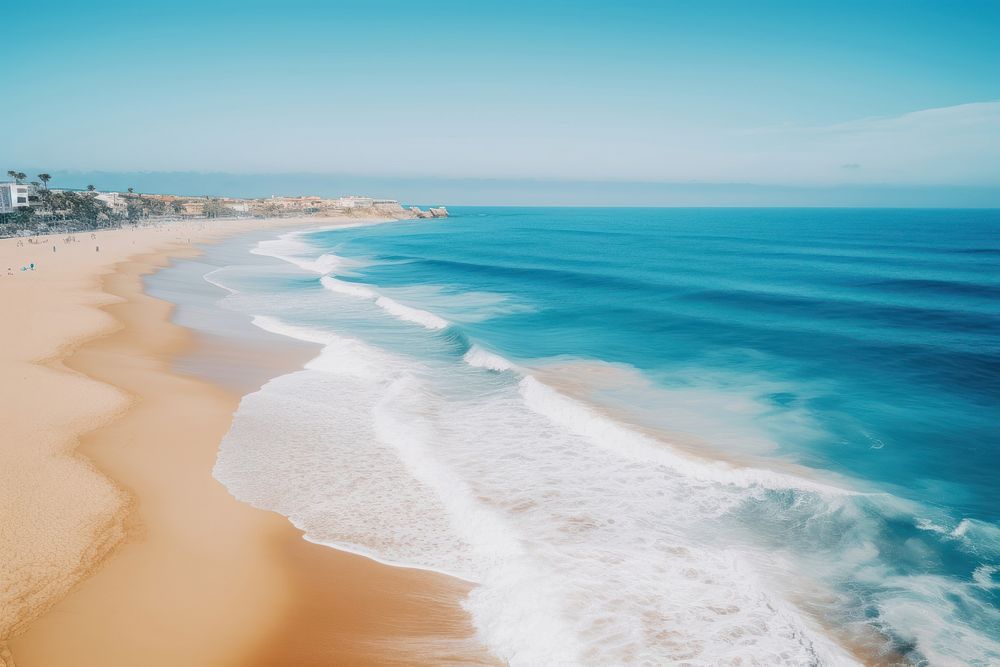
(649, 435)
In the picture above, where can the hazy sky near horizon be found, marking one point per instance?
(770, 92)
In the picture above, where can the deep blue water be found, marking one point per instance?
(883, 325)
(514, 395)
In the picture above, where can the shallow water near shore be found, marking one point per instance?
(648, 435)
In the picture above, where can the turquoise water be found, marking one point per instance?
(885, 326)
(651, 434)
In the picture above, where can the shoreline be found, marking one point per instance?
(265, 594)
(740, 472)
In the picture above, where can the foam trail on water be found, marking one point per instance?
(592, 539)
(480, 358)
(350, 289)
(305, 445)
(307, 334)
(208, 279)
(290, 248)
(612, 435)
(362, 451)
(340, 354)
(406, 313)
(404, 419)
(410, 314)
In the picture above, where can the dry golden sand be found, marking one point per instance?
(117, 547)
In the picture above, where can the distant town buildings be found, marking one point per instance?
(61, 204)
(193, 208)
(238, 206)
(296, 203)
(348, 205)
(355, 201)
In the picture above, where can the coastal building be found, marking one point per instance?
(193, 208)
(116, 201)
(166, 199)
(172, 204)
(354, 201)
(14, 196)
(238, 206)
(297, 203)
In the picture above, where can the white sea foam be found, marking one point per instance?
(591, 541)
(340, 354)
(403, 312)
(212, 281)
(462, 306)
(350, 289)
(543, 512)
(480, 358)
(582, 555)
(410, 314)
(304, 445)
(291, 248)
(983, 576)
(307, 334)
(612, 435)
(923, 617)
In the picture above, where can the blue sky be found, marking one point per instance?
(810, 94)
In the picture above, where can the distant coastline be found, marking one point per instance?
(530, 190)
(29, 208)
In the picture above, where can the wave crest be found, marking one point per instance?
(424, 318)
(480, 358)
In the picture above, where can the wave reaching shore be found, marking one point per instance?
(591, 540)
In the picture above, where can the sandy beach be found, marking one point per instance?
(117, 546)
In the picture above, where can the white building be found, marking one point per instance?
(355, 202)
(116, 201)
(237, 205)
(14, 196)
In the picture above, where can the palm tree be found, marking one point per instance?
(90, 188)
(46, 194)
(13, 174)
(20, 176)
(131, 191)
